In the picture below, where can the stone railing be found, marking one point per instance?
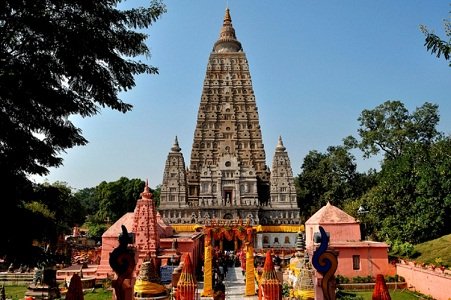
(8, 279)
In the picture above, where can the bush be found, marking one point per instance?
(403, 249)
(360, 279)
(341, 279)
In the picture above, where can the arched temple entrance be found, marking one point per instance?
(222, 234)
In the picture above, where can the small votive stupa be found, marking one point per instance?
(380, 291)
(187, 285)
(270, 287)
(148, 285)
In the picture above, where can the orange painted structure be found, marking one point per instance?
(153, 238)
(270, 287)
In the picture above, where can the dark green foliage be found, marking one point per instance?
(117, 198)
(58, 59)
(348, 295)
(400, 249)
(435, 44)
(341, 279)
(87, 200)
(330, 177)
(362, 279)
(156, 195)
(394, 278)
(109, 201)
(411, 201)
(390, 128)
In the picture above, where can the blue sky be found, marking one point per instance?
(315, 65)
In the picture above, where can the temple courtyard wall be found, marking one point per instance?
(435, 283)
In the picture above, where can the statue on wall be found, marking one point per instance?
(325, 262)
(122, 261)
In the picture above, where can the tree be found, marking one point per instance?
(156, 195)
(117, 198)
(329, 177)
(435, 44)
(389, 128)
(59, 199)
(410, 202)
(61, 58)
(87, 199)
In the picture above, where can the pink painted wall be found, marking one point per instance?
(191, 247)
(108, 244)
(427, 282)
(373, 261)
(338, 232)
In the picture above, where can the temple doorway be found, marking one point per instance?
(228, 245)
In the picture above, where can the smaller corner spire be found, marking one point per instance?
(175, 147)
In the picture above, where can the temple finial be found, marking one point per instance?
(175, 147)
(227, 41)
(280, 146)
(146, 194)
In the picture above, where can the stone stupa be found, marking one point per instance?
(148, 285)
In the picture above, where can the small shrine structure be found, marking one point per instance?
(269, 287)
(356, 257)
(151, 237)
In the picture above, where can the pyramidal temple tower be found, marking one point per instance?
(227, 176)
(147, 239)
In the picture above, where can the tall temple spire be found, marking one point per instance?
(228, 177)
(227, 41)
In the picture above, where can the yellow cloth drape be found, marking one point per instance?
(308, 295)
(279, 228)
(250, 277)
(149, 288)
(208, 274)
(185, 227)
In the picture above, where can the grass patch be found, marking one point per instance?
(395, 295)
(15, 292)
(18, 293)
(435, 249)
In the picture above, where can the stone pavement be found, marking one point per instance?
(235, 286)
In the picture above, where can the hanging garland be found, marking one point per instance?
(242, 233)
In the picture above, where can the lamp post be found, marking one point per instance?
(362, 211)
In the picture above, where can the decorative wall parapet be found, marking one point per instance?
(427, 280)
(421, 266)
